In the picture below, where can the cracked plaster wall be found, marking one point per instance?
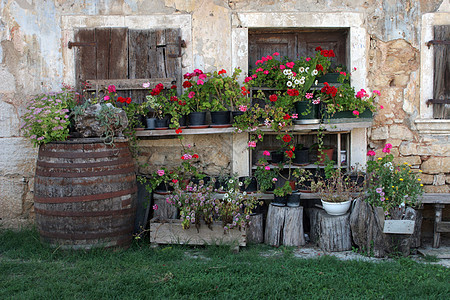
(31, 61)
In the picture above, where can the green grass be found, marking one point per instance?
(30, 270)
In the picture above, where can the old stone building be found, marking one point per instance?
(386, 42)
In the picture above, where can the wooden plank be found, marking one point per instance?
(129, 84)
(140, 45)
(398, 226)
(172, 61)
(103, 39)
(171, 232)
(85, 58)
(443, 227)
(441, 72)
(266, 44)
(118, 58)
(436, 198)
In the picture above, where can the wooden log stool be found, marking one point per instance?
(255, 230)
(284, 226)
(331, 233)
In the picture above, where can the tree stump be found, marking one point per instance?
(284, 226)
(331, 233)
(255, 231)
(367, 231)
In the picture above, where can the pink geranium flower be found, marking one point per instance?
(160, 172)
(111, 89)
(191, 95)
(276, 54)
(266, 153)
(266, 72)
(282, 67)
(243, 108)
(377, 92)
(356, 113)
(252, 144)
(267, 168)
(370, 153)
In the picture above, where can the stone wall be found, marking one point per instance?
(33, 58)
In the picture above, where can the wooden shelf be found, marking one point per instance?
(335, 128)
(309, 166)
(260, 196)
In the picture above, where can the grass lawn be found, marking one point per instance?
(29, 270)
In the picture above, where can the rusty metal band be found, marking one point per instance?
(86, 198)
(93, 154)
(82, 214)
(84, 165)
(119, 171)
(84, 236)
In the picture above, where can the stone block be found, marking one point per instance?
(9, 121)
(395, 143)
(439, 179)
(17, 157)
(447, 179)
(436, 188)
(380, 133)
(408, 148)
(426, 178)
(400, 132)
(7, 82)
(11, 197)
(436, 165)
(410, 160)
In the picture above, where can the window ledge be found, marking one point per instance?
(433, 126)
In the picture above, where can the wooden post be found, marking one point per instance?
(255, 231)
(284, 226)
(331, 233)
(437, 219)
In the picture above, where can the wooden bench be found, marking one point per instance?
(439, 201)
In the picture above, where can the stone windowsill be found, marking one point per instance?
(433, 126)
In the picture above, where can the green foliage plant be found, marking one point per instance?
(46, 118)
(389, 185)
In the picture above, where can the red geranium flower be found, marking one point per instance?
(187, 84)
(178, 131)
(286, 117)
(222, 71)
(173, 87)
(289, 153)
(173, 98)
(273, 98)
(195, 156)
(128, 100)
(121, 99)
(287, 138)
(319, 67)
(293, 92)
(318, 48)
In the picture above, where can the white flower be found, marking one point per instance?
(231, 191)
(230, 181)
(302, 80)
(225, 195)
(290, 77)
(286, 71)
(307, 69)
(391, 168)
(297, 82)
(315, 72)
(301, 69)
(316, 82)
(289, 83)
(244, 193)
(240, 183)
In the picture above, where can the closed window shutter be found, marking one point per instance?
(127, 58)
(441, 86)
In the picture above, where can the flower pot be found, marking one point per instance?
(301, 157)
(197, 118)
(163, 188)
(329, 77)
(151, 123)
(162, 123)
(251, 187)
(279, 200)
(321, 157)
(348, 116)
(220, 118)
(336, 208)
(308, 113)
(293, 200)
(277, 157)
(182, 121)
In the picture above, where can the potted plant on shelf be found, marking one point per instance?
(336, 191)
(343, 102)
(196, 96)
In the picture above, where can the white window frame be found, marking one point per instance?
(425, 123)
(70, 23)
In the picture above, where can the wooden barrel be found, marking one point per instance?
(85, 194)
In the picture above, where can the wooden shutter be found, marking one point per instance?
(441, 86)
(127, 58)
(296, 43)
